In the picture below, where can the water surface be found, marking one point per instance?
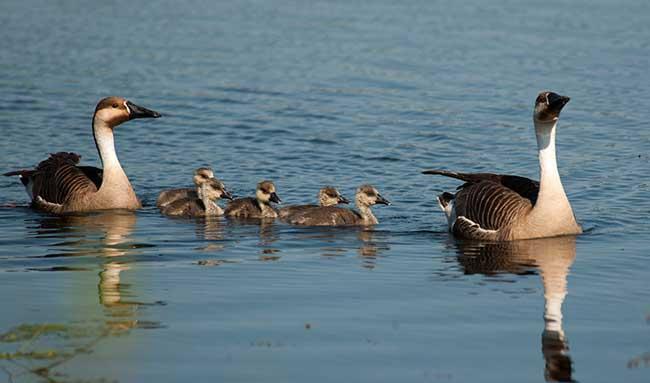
(309, 94)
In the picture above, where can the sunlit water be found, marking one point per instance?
(338, 93)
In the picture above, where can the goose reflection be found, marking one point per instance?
(369, 249)
(553, 258)
(108, 236)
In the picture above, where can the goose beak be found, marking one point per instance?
(275, 198)
(343, 200)
(382, 200)
(557, 102)
(136, 111)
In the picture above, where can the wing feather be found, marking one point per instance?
(58, 179)
(490, 205)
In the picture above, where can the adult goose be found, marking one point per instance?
(58, 185)
(497, 207)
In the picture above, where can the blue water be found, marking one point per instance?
(309, 94)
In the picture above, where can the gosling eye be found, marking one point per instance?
(115, 106)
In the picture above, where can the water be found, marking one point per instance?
(309, 94)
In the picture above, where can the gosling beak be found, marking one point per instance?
(382, 200)
(226, 194)
(136, 111)
(343, 200)
(275, 198)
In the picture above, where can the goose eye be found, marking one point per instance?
(115, 106)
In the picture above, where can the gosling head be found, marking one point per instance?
(330, 196)
(116, 110)
(202, 175)
(367, 195)
(265, 193)
(548, 106)
(213, 189)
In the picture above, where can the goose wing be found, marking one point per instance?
(58, 179)
(243, 208)
(166, 197)
(485, 209)
(523, 186)
(288, 211)
(326, 216)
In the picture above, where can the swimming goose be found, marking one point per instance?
(327, 196)
(257, 207)
(58, 185)
(365, 197)
(208, 192)
(166, 197)
(498, 207)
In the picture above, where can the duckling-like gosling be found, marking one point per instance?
(327, 196)
(208, 192)
(365, 197)
(201, 175)
(255, 207)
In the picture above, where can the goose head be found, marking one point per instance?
(367, 195)
(212, 189)
(116, 110)
(330, 196)
(202, 175)
(265, 193)
(548, 106)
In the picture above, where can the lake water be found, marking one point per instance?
(309, 94)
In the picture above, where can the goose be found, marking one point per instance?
(365, 197)
(498, 207)
(255, 207)
(327, 196)
(58, 185)
(201, 175)
(208, 192)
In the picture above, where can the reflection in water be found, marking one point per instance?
(553, 258)
(369, 249)
(108, 236)
(210, 229)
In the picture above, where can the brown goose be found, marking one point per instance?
(208, 192)
(258, 207)
(166, 197)
(58, 185)
(365, 197)
(327, 196)
(496, 207)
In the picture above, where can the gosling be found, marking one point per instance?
(327, 196)
(365, 197)
(204, 205)
(255, 207)
(166, 197)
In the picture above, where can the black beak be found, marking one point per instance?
(136, 111)
(343, 200)
(226, 194)
(557, 102)
(275, 198)
(382, 200)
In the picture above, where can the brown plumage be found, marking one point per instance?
(365, 197)
(58, 185)
(166, 197)
(498, 207)
(327, 196)
(258, 207)
(208, 192)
